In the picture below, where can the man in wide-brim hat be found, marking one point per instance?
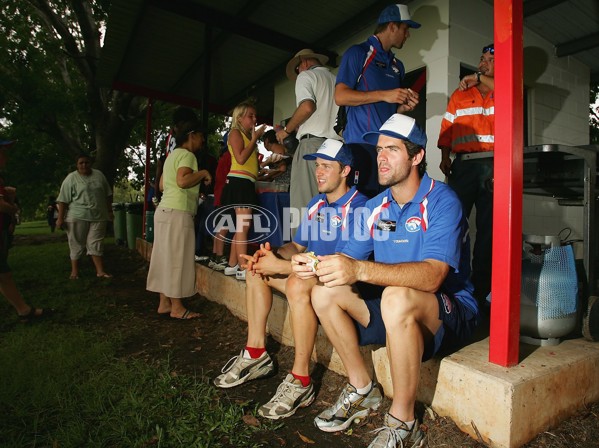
(312, 120)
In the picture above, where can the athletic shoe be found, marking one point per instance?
(239, 370)
(290, 396)
(349, 406)
(240, 275)
(200, 258)
(218, 263)
(396, 433)
(231, 270)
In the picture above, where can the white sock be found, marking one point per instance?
(364, 390)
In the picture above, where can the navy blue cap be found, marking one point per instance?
(399, 126)
(334, 150)
(397, 13)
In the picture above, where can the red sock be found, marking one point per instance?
(255, 352)
(305, 380)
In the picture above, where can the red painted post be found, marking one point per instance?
(507, 214)
(148, 161)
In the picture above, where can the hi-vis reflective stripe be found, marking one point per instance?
(473, 138)
(314, 209)
(345, 209)
(468, 112)
(376, 213)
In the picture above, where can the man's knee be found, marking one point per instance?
(398, 304)
(298, 290)
(321, 299)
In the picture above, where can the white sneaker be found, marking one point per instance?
(290, 396)
(240, 275)
(239, 370)
(231, 270)
(200, 258)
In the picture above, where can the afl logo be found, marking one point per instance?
(336, 221)
(413, 224)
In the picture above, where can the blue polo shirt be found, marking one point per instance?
(430, 226)
(384, 72)
(325, 228)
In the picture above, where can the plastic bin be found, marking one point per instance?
(120, 224)
(150, 226)
(134, 212)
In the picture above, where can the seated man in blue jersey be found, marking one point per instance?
(417, 294)
(324, 229)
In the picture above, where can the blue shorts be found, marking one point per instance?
(459, 322)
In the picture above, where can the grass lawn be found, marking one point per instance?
(66, 383)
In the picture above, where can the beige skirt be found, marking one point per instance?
(172, 266)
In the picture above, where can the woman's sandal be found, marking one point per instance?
(33, 317)
(103, 275)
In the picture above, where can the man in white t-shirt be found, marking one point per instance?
(313, 120)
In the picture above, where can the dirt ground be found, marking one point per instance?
(204, 345)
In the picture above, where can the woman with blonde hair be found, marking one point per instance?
(172, 266)
(240, 189)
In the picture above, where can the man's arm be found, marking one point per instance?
(304, 111)
(445, 164)
(427, 275)
(475, 79)
(346, 96)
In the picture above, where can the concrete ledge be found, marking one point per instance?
(508, 407)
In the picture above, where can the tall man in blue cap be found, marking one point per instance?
(419, 296)
(370, 85)
(324, 229)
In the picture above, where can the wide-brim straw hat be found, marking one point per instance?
(306, 53)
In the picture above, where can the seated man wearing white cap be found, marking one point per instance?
(325, 229)
(418, 236)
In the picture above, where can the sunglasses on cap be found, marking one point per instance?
(489, 48)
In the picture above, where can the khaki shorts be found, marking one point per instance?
(86, 235)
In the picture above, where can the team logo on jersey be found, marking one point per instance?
(386, 225)
(336, 220)
(413, 224)
(395, 68)
(447, 306)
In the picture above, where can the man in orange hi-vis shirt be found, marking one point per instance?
(468, 127)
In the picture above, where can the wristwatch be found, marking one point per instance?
(478, 76)
(285, 129)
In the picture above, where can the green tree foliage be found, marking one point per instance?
(51, 104)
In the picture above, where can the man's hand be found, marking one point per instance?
(445, 164)
(251, 260)
(300, 265)
(468, 81)
(282, 135)
(337, 270)
(406, 98)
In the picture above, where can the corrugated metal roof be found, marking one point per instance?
(163, 48)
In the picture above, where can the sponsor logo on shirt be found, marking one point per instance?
(386, 225)
(413, 224)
